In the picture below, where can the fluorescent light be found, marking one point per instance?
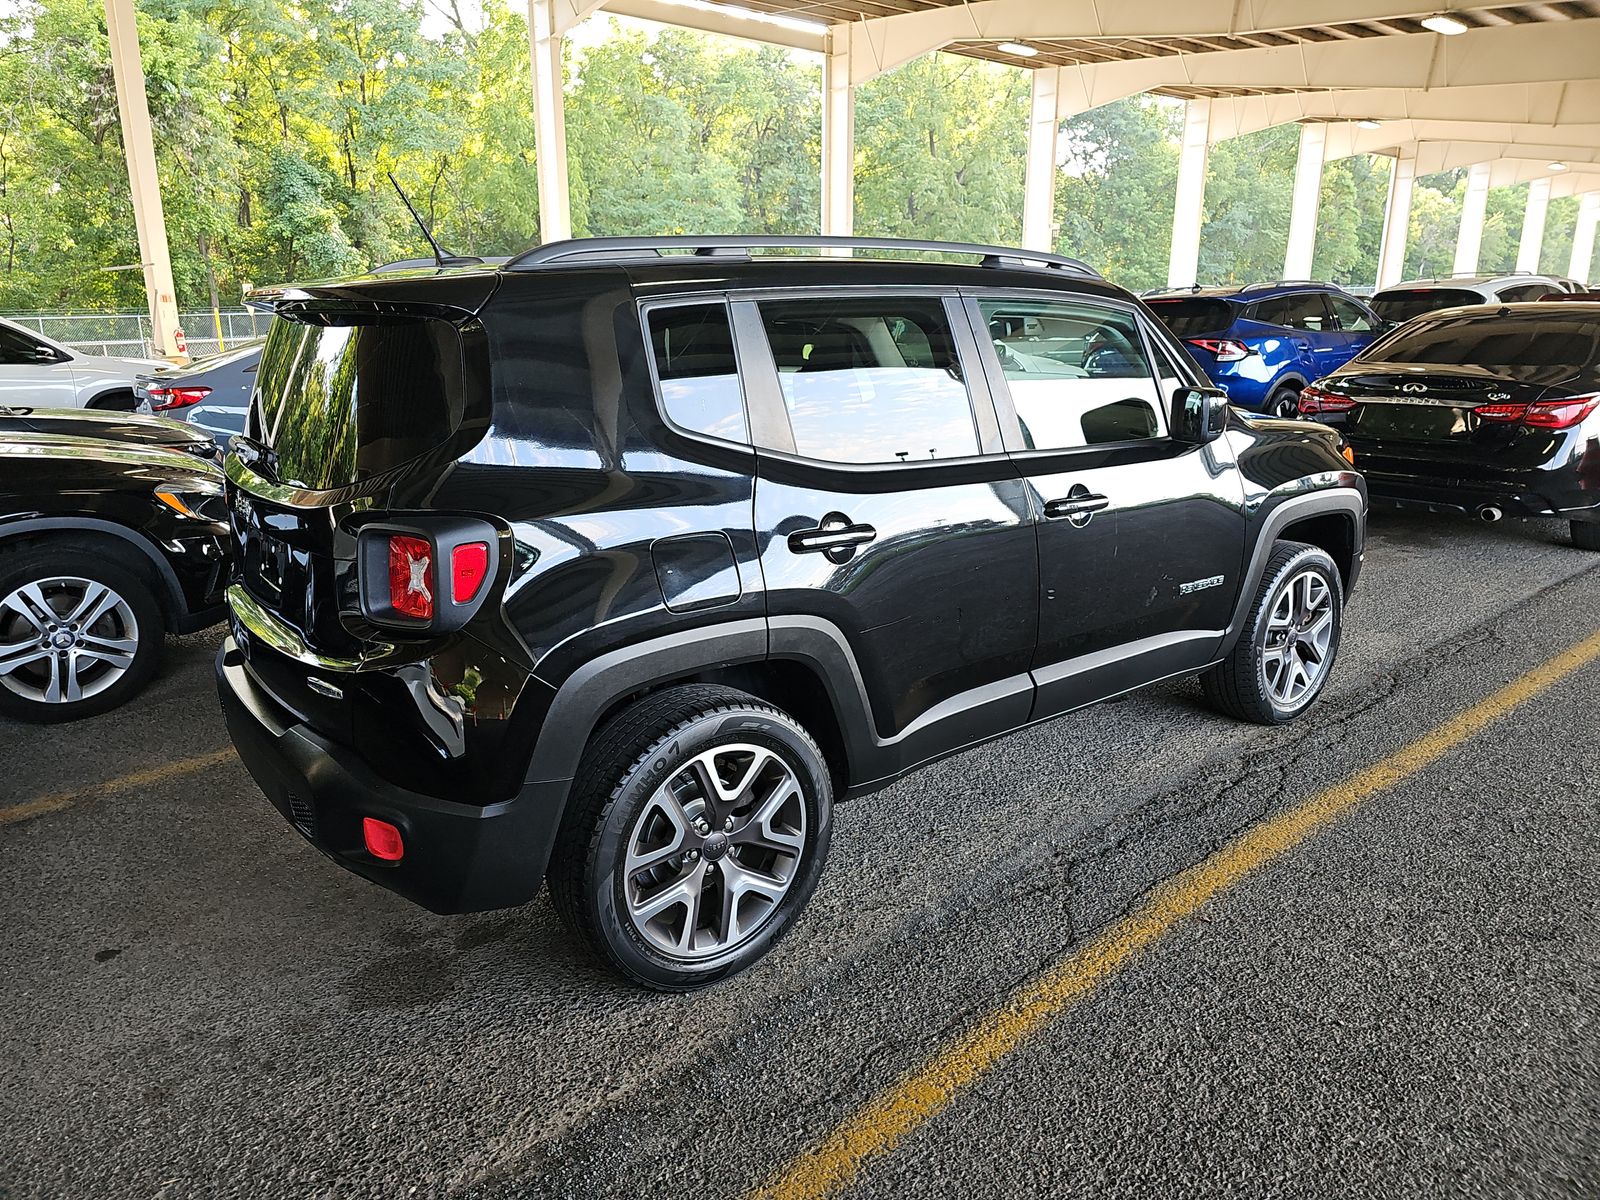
(1018, 49)
(1445, 23)
(1557, 166)
(1369, 123)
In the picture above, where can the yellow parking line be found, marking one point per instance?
(895, 1113)
(56, 801)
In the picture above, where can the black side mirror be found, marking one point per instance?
(1199, 415)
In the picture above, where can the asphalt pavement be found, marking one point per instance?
(1403, 1004)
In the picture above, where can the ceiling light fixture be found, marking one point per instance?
(1017, 48)
(1369, 123)
(1445, 23)
(1557, 166)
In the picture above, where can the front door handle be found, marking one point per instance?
(835, 537)
(1078, 506)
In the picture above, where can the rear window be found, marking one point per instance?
(1188, 316)
(1512, 346)
(349, 397)
(1402, 306)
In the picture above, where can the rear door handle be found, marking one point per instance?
(1078, 505)
(836, 536)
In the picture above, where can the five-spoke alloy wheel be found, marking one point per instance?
(695, 833)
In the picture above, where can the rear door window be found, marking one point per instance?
(1526, 291)
(870, 380)
(1302, 310)
(1077, 373)
(696, 370)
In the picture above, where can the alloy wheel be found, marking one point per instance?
(713, 852)
(1299, 637)
(65, 639)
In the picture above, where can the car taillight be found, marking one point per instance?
(163, 398)
(1546, 414)
(383, 839)
(1314, 400)
(469, 567)
(1226, 349)
(411, 577)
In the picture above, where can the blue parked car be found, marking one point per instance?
(1264, 342)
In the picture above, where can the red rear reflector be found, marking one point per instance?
(469, 564)
(1560, 414)
(1315, 400)
(1226, 349)
(161, 399)
(383, 839)
(411, 577)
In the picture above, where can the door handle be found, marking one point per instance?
(836, 537)
(1077, 507)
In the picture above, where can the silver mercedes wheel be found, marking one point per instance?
(714, 850)
(64, 639)
(1300, 631)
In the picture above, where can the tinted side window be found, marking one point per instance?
(870, 381)
(17, 347)
(1352, 318)
(696, 369)
(1526, 291)
(1077, 373)
(1302, 310)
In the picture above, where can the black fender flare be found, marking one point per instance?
(176, 605)
(1340, 501)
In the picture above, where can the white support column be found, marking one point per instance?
(1189, 204)
(838, 139)
(1474, 208)
(549, 121)
(1533, 225)
(1397, 219)
(1039, 197)
(1583, 238)
(138, 146)
(1307, 198)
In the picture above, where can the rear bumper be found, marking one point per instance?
(458, 857)
(1543, 497)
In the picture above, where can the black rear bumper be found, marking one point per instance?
(459, 857)
(1548, 495)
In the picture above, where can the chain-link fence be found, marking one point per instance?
(129, 334)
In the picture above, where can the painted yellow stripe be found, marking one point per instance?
(877, 1128)
(56, 801)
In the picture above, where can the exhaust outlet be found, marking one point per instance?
(1489, 514)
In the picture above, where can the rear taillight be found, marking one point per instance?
(1226, 349)
(1314, 400)
(1547, 414)
(164, 398)
(383, 839)
(411, 584)
(469, 567)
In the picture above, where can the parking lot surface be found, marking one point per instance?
(1401, 1003)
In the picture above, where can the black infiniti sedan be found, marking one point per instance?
(1489, 411)
(107, 543)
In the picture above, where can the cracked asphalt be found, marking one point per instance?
(197, 1004)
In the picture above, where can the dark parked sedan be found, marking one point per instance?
(212, 394)
(1492, 410)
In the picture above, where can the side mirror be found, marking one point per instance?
(1199, 415)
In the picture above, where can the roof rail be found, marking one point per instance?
(1271, 283)
(614, 249)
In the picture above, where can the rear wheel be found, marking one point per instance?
(115, 402)
(1586, 535)
(695, 834)
(1289, 642)
(79, 634)
(1284, 402)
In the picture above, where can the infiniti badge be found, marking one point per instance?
(1414, 388)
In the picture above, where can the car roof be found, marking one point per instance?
(1467, 281)
(1247, 292)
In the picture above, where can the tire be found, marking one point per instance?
(1244, 685)
(115, 402)
(105, 665)
(639, 791)
(1284, 398)
(1586, 535)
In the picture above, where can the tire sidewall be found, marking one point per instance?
(39, 563)
(1306, 558)
(604, 882)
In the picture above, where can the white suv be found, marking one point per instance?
(1414, 297)
(38, 373)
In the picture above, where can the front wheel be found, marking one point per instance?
(1289, 641)
(694, 836)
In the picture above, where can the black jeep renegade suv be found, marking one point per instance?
(618, 563)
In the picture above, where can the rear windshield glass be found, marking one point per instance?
(1187, 316)
(1402, 306)
(355, 396)
(1505, 345)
